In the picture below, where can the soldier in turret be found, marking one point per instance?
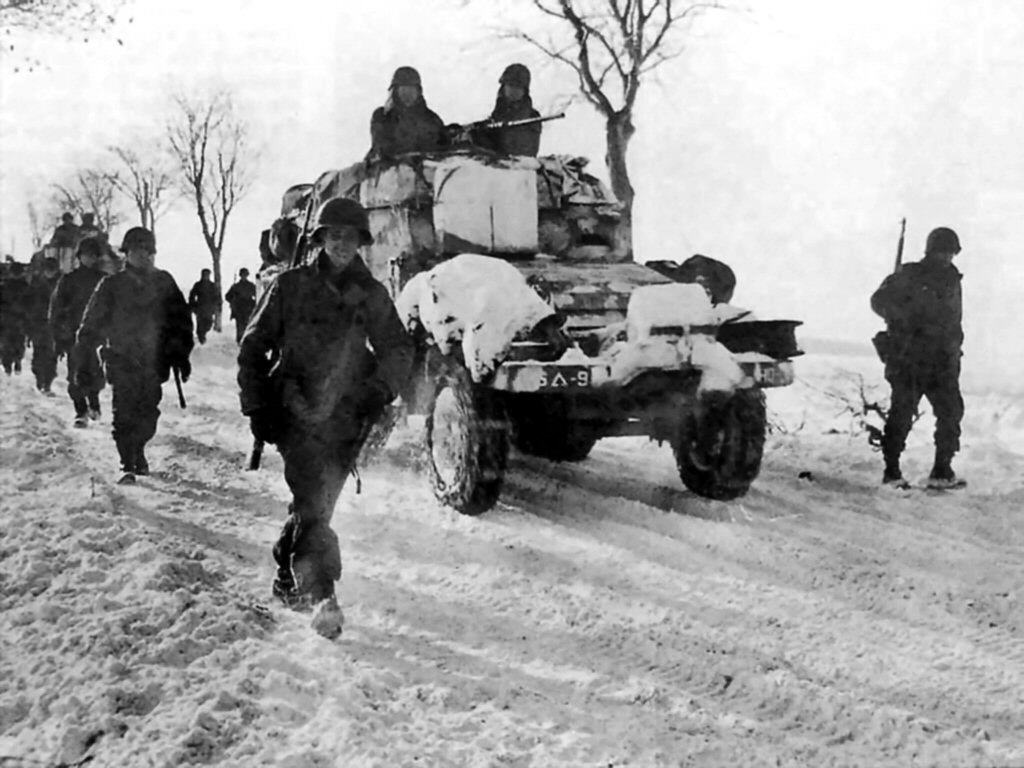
(513, 103)
(66, 234)
(311, 385)
(405, 123)
(922, 307)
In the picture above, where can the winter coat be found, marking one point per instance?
(307, 346)
(143, 319)
(241, 297)
(203, 298)
(922, 307)
(517, 140)
(14, 306)
(40, 291)
(395, 129)
(68, 304)
(66, 236)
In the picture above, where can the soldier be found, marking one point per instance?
(141, 316)
(44, 354)
(513, 103)
(405, 123)
(241, 297)
(14, 300)
(311, 385)
(66, 234)
(85, 375)
(921, 305)
(204, 302)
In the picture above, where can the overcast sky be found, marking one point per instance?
(787, 141)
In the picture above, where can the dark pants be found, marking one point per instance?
(317, 462)
(939, 382)
(12, 348)
(136, 394)
(241, 320)
(204, 322)
(85, 380)
(44, 358)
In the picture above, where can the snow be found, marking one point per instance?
(478, 301)
(599, 615)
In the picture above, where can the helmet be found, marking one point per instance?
(342, 212)
(517, 75)
(942, 240)
(406, 76)
(138, 236)
(243, 272)
(67, 217)
(90, 246)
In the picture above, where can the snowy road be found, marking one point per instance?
(600, 615)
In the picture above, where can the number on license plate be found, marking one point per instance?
(564, 377)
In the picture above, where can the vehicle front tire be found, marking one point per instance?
(467, 443)
(719, 445)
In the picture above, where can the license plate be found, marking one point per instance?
(564, 377)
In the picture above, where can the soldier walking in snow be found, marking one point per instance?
(204, 302)
(44, 354)
(241, 297)
(405, 123)
(85, 375)
(922, 307)
(141, 316)
(311, 385)
(14, 301)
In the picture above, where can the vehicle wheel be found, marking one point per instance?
(719, 445)
(467, 444)
(552, 440)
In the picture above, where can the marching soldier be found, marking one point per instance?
(141, 316)
(204, 302)
(922, 307)
(44, 354)
(241, 297)
(14, 301)
(311, 385)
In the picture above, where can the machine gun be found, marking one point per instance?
(463, 133)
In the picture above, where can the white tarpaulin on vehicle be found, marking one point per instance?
(478, 301)
(485, 208)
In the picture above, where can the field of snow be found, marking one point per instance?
(600, 615)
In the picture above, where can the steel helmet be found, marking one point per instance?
(517, 75)
(406, 76)
(138, 236)
(942, 240)
(342, 212)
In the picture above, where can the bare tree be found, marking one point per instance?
(210, 143)
(148, 182)
(37, 227)
(91, 191)
(611, 46)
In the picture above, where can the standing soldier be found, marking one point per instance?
(204, 302)
(85, 376)
(241, 297)
(141, 316)
(921, 305)
(14, 299)
(66, 234)
(311, 385)
(44, 354)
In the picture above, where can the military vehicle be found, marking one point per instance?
(625, 350)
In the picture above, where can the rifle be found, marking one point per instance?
(899, 246)
(257, 454)
(177, 383)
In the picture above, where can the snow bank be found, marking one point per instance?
(478, 301)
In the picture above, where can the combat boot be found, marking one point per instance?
(943, 478)
(126, 452)
(141, 465)
(892, 477)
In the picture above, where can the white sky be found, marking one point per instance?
(787, 141)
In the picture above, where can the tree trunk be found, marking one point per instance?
(619, 129)
(215, 257)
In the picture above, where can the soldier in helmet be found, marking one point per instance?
(14, 301)
(922, 308)
(513, 103)
(141, 316)
(241, 297)
(44, 353)
(66, 234)
(323, 354)
(405, 123)
(85, 376)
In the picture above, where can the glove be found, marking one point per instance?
(268, 425)
(184, 369)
